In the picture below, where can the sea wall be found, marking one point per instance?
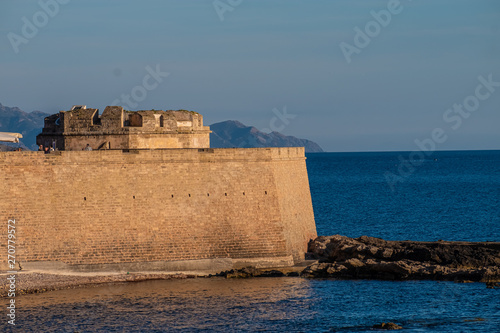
(169, 209)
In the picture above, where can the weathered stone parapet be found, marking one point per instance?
(117, 128)
(153, 156)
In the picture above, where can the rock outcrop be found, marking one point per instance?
(249, 272)
(387, 326)
(374, 258)
(29, 124)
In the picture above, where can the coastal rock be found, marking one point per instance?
(248, 272)
(387, 326)
(374, 258)
(492, 285)
(240, 273)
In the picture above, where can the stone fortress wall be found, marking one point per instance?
(156, 209)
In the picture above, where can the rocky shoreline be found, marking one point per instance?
(335, 257)
(365, 257)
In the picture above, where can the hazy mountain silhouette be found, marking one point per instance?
(233, 134)
(29, 124)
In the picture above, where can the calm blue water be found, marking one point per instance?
(265, 304)
(452, 196)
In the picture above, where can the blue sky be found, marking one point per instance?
(267, 55)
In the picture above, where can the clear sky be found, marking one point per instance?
(380, 89)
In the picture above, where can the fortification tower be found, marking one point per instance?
(151, 195)
(120, 129)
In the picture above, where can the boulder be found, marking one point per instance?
(387, 326)
(374, 258)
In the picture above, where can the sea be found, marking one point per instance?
(443, 195)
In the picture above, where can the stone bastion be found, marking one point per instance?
(151, 196)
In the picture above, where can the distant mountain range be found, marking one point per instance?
(232, 133)
(29, 124)
(6, 147)
(226, 134)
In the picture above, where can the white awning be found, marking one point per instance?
(10, 137)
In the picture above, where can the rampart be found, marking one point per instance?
(163, 209)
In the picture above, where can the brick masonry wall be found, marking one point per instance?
(128, 140)
(292, 186)
(107, 207)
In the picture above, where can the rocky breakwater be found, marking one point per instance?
(374, 258)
